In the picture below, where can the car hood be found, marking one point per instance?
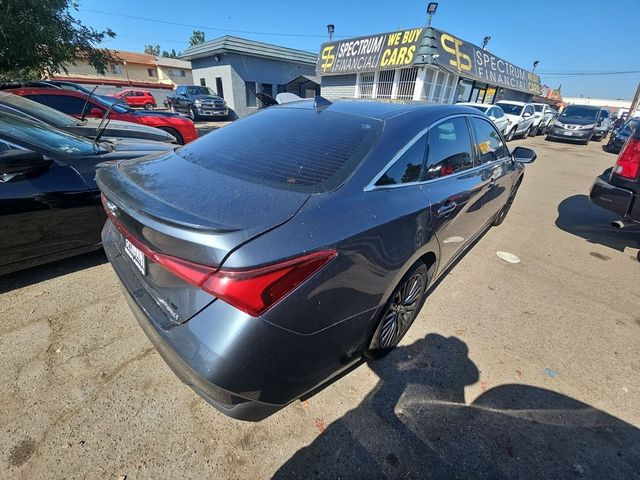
(513, 118)
(576, 120)
(135, 147)
(122, 129)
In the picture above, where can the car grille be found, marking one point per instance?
(212, 104)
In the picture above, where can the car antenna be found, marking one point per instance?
(320, 103)
(100, 128)
(86, 102)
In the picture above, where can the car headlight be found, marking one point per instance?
(198, 103)
(587, 127)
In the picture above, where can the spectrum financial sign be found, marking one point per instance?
(468, 60)
(366, 54)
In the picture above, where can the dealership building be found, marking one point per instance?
(423, 64)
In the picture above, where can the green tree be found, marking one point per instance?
(151, 50)
(171, 54)
(38, 37)
(196, 37)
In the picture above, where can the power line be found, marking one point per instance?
(204, 27)
(587, 74)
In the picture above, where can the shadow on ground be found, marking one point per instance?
(578, 216)
(415, 424)
(48, 271)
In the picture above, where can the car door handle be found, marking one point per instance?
(446, 209)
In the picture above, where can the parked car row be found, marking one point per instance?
(82, 103)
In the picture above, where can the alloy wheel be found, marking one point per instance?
(400, 312)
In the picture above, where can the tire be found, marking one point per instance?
(527, 132)
(400, 311)
(175, 133)
(192, 114)
(534, 131)
(148, 106)
(510, 135)
(502, 214)
(597, 139)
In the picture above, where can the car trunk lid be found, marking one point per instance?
(172, 207)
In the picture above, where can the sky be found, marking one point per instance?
(569, 38)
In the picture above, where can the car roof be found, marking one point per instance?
(512, 102)
(380, 110)
(472, 104)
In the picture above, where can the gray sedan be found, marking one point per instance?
(272, 254)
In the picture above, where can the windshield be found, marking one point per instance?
(107, 102)
(584, 113)
(38, 110)
(200, 91)
(510, 108)
(40, 136)
(538, 108)
(287, 148)
(631, 126)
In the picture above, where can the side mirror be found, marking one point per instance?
(523, 155)
(96, 112)
(526, 115)
(17, 162)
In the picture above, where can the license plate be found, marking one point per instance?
(568, 134)
(136, 256)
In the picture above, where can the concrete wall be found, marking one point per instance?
(237, 69)
(334, 87)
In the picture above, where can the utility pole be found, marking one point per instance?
(635, 104)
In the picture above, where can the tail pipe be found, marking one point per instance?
(619, 224)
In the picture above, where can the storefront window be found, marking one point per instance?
(389, 84)
(385, 83)
(365, 85)
(464, 90)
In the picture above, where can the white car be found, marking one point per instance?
(494, 112)
(520, 116)
(544, 116)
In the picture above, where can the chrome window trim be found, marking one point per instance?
(371, 186)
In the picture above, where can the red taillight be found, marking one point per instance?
(256, 290)
(628, 164)
(253, 291)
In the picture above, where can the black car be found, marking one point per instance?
(271, 254)
(620, 135)
(49, 200)
(618, 190)
(576, 123)
(88, 127)
(197, 102)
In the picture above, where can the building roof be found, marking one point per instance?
(173, 62)
(132, 57)
(231, 44)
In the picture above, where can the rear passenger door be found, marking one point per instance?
(495, 166)
(453, 185)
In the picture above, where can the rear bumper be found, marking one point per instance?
(616, 199)
(205, 352)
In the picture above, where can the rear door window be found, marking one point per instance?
(489, 144)
(448, 148)
(289, 148)
(408, 167)
(67, 104)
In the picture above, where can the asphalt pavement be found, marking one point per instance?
(512, 370)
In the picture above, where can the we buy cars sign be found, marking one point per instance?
(365, 54)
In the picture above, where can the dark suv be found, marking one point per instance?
(618, 189)
(576, 123)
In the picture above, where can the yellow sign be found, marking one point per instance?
(327, 57)
(452, 45)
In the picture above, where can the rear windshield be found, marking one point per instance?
(288, 148)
